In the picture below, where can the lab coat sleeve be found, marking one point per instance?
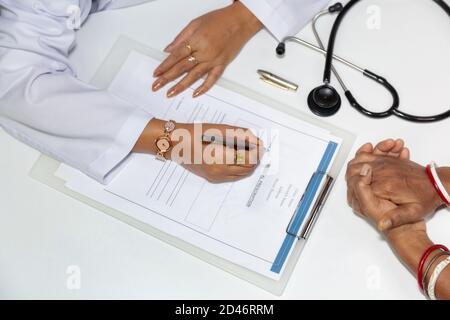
(44, 105)
(284, 17)
(101, 5)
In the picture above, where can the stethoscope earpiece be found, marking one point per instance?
(281, 49)
(324, 101)
(337, 7)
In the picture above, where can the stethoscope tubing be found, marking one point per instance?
(365, 72)
(322, 46)
(394, 110)
(330, 56)
(371, 75)
(324, 52)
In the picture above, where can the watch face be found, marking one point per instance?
(163, 144)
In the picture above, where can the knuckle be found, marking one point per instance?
(215, 75)
(416, 211)
(396, 218)
(170, 75)
(360, 184)
(196, 74)
(183, 68)
(389, 185)
(177, 55)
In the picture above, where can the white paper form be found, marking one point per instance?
(244, 222)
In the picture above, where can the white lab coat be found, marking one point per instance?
(44, 105)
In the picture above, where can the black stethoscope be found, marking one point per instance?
(324, 100)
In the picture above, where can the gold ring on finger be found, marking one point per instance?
(192, 59)
(239, 157)
(188, 46)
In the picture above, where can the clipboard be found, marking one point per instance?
(307, 210)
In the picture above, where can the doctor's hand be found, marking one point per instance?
(214, 162)
(206, 47)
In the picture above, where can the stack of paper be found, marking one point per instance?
(244, 222)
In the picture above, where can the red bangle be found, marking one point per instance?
(436, 187)
(424, 258)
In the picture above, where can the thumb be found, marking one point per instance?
(401, 215)
(364, 193)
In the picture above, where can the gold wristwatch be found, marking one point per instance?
(164, 143)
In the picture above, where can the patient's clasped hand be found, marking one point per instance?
(397, 195)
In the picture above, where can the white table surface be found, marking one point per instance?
(43, 232)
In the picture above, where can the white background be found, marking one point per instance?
(43, 232)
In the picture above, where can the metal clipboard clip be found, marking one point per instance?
(316, 208)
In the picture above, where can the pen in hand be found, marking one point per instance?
(231, 143)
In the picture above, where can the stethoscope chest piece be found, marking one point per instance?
(324, 101)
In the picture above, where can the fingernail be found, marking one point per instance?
(385, 225)
(157, 85)
(171, 93)
(197, 93)
(365, 170)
